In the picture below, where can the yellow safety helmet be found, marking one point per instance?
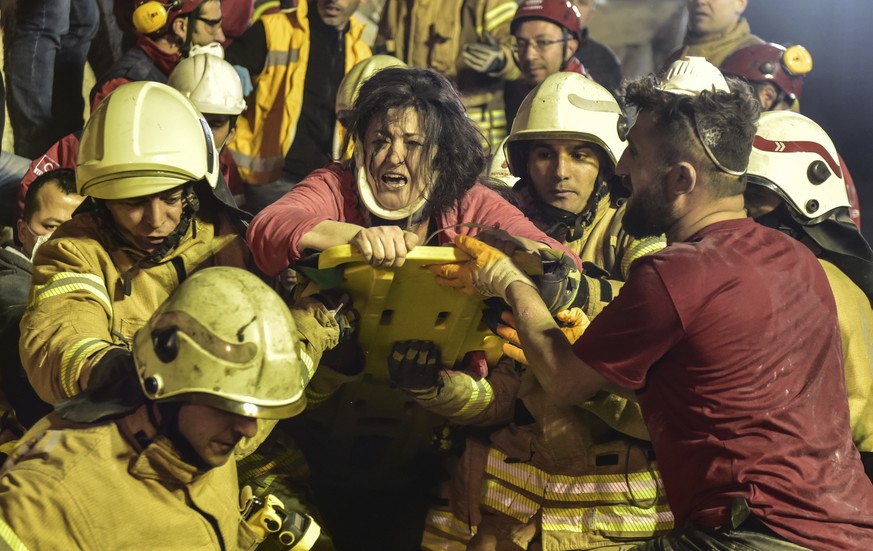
(567, 106)
(348, 89)
(223, 339)
(211, 83)
(144, 138)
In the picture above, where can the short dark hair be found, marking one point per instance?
(453, 143)
(64, 178)
(725, 120)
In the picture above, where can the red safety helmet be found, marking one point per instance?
(560, 12)
(762, 63)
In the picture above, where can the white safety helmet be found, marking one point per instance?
(567, 106)
(348, 89)
(223, 339)
(691, 75)
(211, 83)
(144, 138)
(794, 157)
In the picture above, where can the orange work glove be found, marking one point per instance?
(572, 323)
(488, 273)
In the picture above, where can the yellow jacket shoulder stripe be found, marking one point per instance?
(68, 282)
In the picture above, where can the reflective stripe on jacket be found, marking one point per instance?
(267, 128)
(77, 308)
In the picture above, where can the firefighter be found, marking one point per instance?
(728, 337)
(147, 166)
(149, 464)
(564, 147)
(777, 73)
(796, 186)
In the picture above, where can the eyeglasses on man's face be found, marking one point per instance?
(520, 44)
(214, 25)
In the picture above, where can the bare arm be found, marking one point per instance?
(566, 378)
(328, 233)
(385, 246)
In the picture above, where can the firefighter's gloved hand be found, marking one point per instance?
(316, 327)
(245, 79)
(572, 323)
(484, 58)
(414, 366)
(487, 273)
(560, 281)
(339, 305)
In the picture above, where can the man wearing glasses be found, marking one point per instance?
(187, 24)
(546, 34)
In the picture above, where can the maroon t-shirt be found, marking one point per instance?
(730, 340)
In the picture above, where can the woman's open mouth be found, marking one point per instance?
(394, 181)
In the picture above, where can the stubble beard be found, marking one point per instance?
(648, 214)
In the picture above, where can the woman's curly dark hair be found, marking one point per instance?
(724, 120)
(452, 141)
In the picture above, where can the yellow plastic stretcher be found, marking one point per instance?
(406, 303)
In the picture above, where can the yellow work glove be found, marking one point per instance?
(488, 273)
(572, 323)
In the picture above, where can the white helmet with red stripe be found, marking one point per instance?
(794, 157)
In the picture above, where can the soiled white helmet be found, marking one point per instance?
(691, 75)
(794, 157)
(567, 106)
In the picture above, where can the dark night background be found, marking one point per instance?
(838, 93)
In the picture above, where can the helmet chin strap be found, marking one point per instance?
(169, 427)
(565, 225)
(412, 212)
(192, 205)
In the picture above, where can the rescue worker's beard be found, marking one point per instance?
(169, 426)
(648, 214)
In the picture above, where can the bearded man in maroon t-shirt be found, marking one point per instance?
(728, 337)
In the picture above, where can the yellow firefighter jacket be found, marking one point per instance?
(77, 308)
(79, 486)
(855, 317)
(582, 484)
(578, 476)
(716, 49)
(605, 243)
(267, 128)
(430, 33)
